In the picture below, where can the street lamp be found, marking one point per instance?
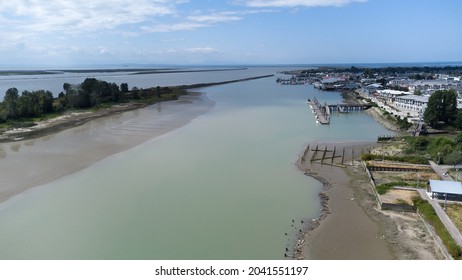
(445, 201)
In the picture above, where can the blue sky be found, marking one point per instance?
(80, 32)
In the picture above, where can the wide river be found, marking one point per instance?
(223, 186)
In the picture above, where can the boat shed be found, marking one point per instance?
(445, 189)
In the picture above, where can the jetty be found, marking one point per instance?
(322, 112)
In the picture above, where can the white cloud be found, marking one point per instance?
(181, 26)
(198, 20)
(215, 17)
(297, 3)
(203, 50)
(80, 16)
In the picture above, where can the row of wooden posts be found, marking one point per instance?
(328, 156)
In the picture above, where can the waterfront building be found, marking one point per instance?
(411, 105)
(332, 83)
(449, 190)
(372, 88)
(389, 95)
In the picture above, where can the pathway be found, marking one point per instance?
(455, 233)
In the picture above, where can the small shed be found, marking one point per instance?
(445, 190)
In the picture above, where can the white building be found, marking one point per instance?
(389, 95)
(411, 105)
(445, 190)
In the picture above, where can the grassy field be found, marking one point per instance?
(455, 213)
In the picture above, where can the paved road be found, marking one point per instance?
(440, 171)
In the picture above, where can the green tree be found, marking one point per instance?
(441, 107)
(124, 87)
(28, 105)
(45, 101)
(10, 102)
(420, 143)
(67, 87)
(458, 139)
(115, 92)
(454, 158)
(441, 146)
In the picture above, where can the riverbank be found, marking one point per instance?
(67, 120)
(374, 112)
(350, 225)
(80, 142)
(71, 118)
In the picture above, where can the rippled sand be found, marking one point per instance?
(29, 163)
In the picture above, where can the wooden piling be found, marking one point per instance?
(352, 155)
(314, 154)
(324, 154)
(333, 156)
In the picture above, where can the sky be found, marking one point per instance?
(229, 32)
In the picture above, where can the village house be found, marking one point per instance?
(429, 86)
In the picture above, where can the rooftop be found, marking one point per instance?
(449, 187)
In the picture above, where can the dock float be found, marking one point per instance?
(322, 113)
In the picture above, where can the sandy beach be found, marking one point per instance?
(352, 227)
(28, 163)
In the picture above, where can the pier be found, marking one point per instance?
(322, 112)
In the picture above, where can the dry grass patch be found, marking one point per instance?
(455, 213)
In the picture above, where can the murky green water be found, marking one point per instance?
(222, 187)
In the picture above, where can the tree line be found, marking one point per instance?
(29, 104)
(90, 93)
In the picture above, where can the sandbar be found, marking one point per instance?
(32, 162)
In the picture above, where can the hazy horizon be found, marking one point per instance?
(128, 66)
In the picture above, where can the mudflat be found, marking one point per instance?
(28, 163)
(352, 227)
